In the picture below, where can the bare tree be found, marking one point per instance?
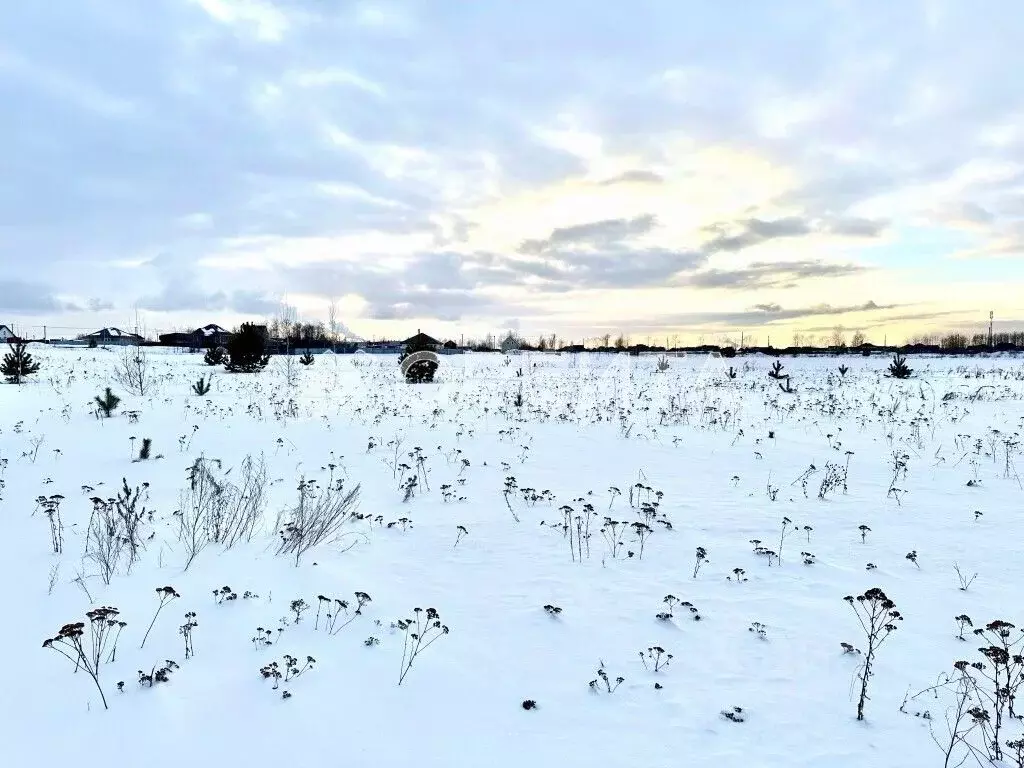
(332, 318)
(133, 370)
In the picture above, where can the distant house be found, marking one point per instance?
(6, 334)
(112, 336)
(177, 339)
(211, 335)
(422, 341)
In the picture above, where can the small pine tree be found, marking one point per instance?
(108, 403)
(898, 368)
(307, 359)
(247, 350)
(202, 387)
(18, 363)
(215, 356)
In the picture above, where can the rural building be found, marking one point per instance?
(422, 341)
(211, 335)
(112, 337)
(6, 334)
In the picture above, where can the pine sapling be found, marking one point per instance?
(18, 363)
(202, 386)
(108, 403)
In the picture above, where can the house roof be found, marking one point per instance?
(422, 338)
(211, 330)
(114, 333)
(6, 328)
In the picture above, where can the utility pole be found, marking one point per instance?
(991, 315)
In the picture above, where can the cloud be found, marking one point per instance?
(769, 314)
(737, 236)
(28, 298)
(634, 177)
(594, 234)
(99, 305)
(761, 274)
(642, 148)
(181, 290)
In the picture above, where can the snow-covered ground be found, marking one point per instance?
(704, 460)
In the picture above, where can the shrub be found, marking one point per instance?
(217, 510)
(318, 517)
(215, 356)
(18, 363)
(898, 368)
(247, 350)
(133, 371)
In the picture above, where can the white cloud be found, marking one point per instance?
(402, 158)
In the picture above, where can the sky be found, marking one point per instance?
(661, 168)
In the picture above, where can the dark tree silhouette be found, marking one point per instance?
(247, 350)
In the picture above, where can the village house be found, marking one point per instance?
(112, 337)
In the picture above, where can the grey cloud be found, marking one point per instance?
(597, 233)
(26, 297)
(453, 284)
(98, 305)
(181, 290)
(253, 302)
(751, 232)
(761, 274)
(764, 315)
(733, 237)
(443, 304)
(852, 226)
